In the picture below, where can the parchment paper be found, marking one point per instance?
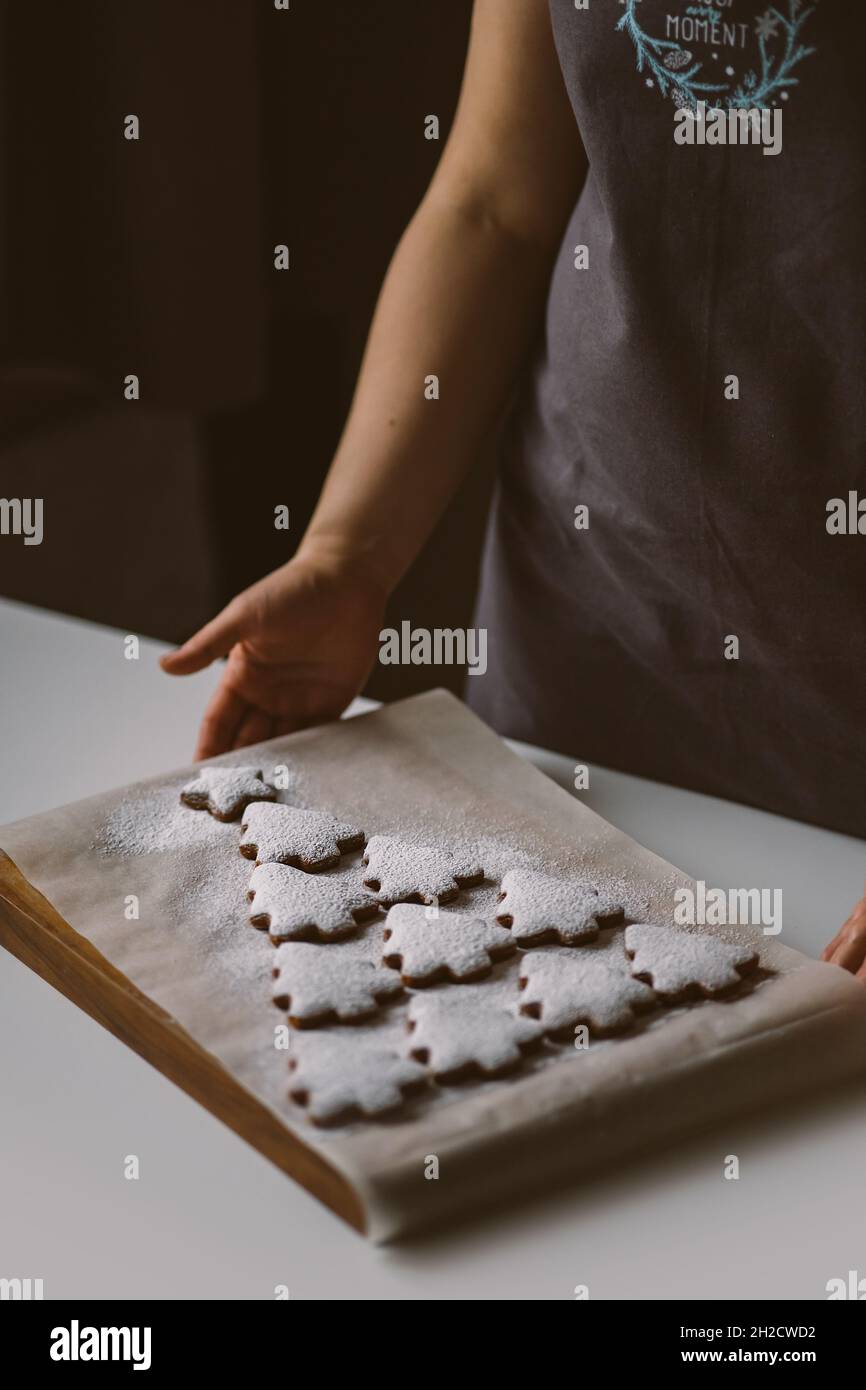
(428, 767)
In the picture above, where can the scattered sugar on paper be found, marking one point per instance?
(158, 820)
(527, 847)
(208, 903)
(152, 819)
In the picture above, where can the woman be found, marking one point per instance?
(667, 586)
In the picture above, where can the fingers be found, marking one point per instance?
(255, 727)
(221, 722)
(850, 953)
(848, 947)
(832, 946)
(210, 642)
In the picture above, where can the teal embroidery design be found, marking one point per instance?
(672, 68)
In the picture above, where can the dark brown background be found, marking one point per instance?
(258, 127)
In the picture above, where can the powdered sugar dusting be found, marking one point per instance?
(226, 791)
(457, 1031)
(294, 905)
(523, 844)
(676, 962)
(151, 818)
(335, 1078)
(564, 986)
(471, 1026)
(537, 906)
(457, 945)
(402, 868)
(289, 835)
(315, 982)
(157, 820)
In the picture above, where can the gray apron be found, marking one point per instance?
(707, 515)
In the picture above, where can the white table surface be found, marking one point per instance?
(210, 1218)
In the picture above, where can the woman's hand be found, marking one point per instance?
(848, 947)
(301, 642)
(300, 646)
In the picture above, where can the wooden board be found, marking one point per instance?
(37, 935)
(415, 767)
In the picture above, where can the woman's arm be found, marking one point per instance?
(463, 294)
(462, 297)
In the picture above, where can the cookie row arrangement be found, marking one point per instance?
(563, 981)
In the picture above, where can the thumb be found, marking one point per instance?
(213, 640)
